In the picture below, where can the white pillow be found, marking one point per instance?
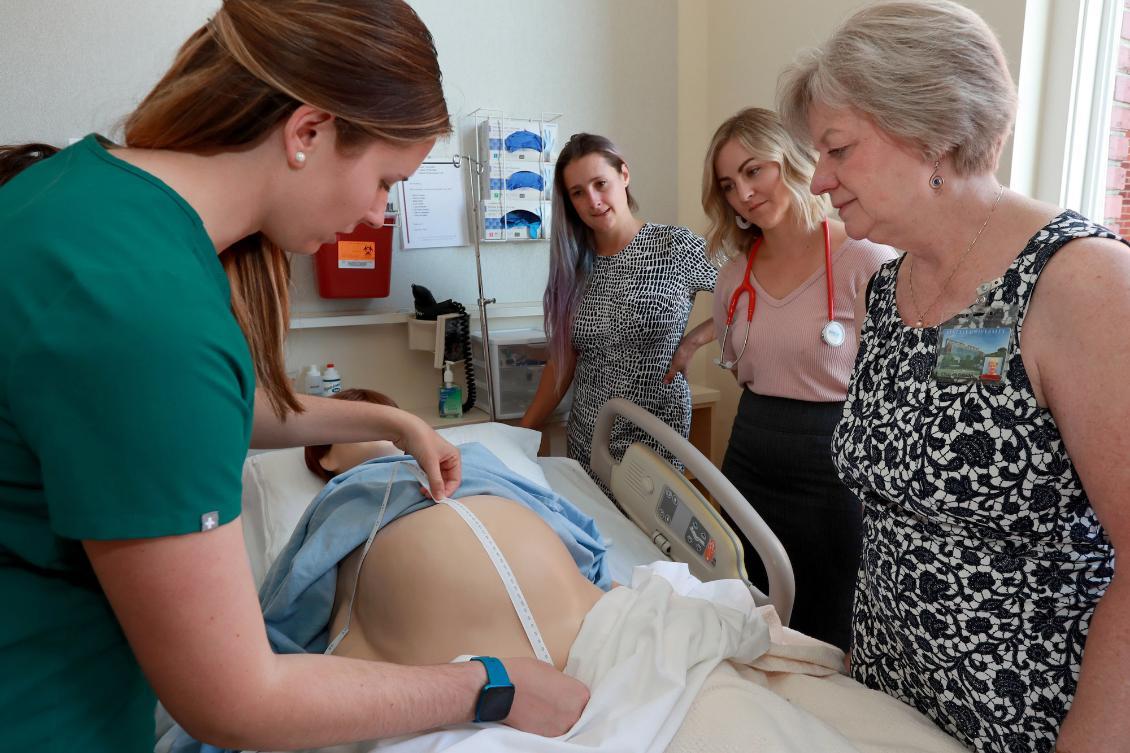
(277, 488)
(516, 447)
(277, 485)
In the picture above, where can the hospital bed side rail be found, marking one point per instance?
(782, 587)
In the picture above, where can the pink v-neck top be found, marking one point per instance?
(786, 356)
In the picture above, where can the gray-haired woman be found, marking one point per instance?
(984, 427)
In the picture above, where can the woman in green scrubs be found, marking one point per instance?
(148, 286)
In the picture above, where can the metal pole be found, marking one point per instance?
(474, 175)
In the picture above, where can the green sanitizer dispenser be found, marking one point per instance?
(450, 395)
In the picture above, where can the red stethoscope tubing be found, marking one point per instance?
(828, 273)
(747, 287)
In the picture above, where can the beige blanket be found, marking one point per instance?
(792, 699)
(682, 666)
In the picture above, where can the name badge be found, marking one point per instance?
(976, 345)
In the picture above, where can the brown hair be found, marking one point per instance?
(571, 245)
(315, 453)
(370, 63)
(14, 159)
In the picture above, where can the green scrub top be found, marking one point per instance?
(126, 398)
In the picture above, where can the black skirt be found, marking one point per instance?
(780, 459)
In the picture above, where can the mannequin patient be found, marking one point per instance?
(427, 590)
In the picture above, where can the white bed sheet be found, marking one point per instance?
(628, 546)
(680, 666)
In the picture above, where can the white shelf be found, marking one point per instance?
(346, 319)
(496, 311)
(703, 395)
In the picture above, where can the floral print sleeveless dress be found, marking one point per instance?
(982, 558)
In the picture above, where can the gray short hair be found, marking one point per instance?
(929, 73)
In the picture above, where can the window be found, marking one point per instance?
(1071, 136)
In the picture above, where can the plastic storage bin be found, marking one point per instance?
(358, 265)
(518, 358)
(515, 220)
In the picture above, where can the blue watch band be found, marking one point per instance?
(497, 695)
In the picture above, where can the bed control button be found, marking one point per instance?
(661, 541)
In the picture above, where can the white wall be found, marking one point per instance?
(655, 75)
(607, 67)
(69, 67)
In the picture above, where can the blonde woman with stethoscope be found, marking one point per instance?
(784, 315)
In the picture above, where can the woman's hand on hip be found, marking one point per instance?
(679, 361)
(699, 335)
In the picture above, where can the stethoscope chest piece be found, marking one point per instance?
(833, 334)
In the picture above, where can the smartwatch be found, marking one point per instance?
(497, 695)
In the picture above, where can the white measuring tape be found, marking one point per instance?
(517, 598)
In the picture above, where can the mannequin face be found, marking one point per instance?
(342, 457)
(598, 192)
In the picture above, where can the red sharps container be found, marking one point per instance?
(358, 265)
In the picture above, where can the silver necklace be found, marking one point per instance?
(921, 313)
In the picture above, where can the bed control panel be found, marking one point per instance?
(677, 518)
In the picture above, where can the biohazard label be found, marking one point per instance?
(356, 255)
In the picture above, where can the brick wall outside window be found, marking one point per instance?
(1117, 209)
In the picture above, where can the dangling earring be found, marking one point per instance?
(935, 179)
(300, 157)
(742, 222)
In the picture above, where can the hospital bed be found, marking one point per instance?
(657, 515)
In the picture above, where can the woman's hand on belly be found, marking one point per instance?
(546, 702)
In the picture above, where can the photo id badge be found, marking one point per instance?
(973, 349)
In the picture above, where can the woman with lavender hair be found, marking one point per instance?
(619, 295)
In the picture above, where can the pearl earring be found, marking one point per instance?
(300, 157)
(935, 179)
(742, 222)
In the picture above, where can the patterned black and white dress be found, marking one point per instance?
(625, 331)
(982, 557)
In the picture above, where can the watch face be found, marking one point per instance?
(494, 702)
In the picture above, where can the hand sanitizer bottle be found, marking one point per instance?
(450, 395)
